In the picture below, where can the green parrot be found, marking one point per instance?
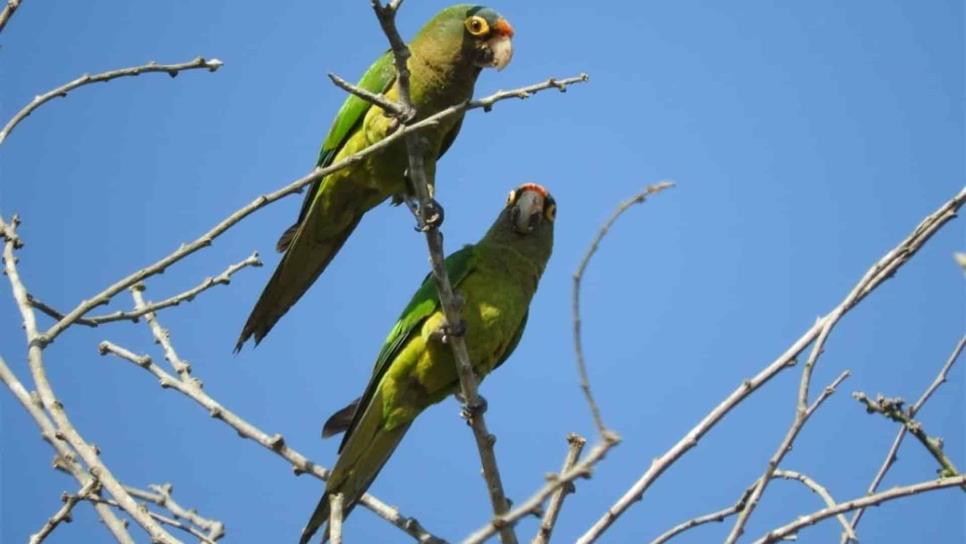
(447, 56)
(496, 279)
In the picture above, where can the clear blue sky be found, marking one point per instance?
(807, 138)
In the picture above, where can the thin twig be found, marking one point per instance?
(875, 276)
(870, 500)
(172, 70)
(819, 490)
(63, 514)
(716, 517)
(55, 408)
(891, 456)
(803, 412)
(576, 445)
(66, 458)
(892, 409)
(582, 469)
(293, 187)
(274, 443)
(160, 518)
(187, 296)
(389, 106)
(473, 407)
(7, 13)
(163, 338)
(335, 518)
(161, 496)
(639, 198)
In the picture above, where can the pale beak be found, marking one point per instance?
(502, 49)
(527, 212)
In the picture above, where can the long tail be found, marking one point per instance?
(366, 451)
(306, 257)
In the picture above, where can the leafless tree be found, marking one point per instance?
(156, 512)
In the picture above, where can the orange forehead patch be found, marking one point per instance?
(503, 28)
(534, 187)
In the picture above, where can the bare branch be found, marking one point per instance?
(293, 187)
(53, 407)
(639, 198)
(187, 296)
(274, 443)
(802, 413)
(63, 514)
(556, 481)
(870, 500)
(819, 490)
(65, 455)
(335, 518)
(891, 457)
(389, 106)
(875, 276)
(576, 443)
(473, 406)
(7, 13)
(892, 409)
(86, 79)
(163, 338)
(161, 496)
(716, 517)
(160, 518)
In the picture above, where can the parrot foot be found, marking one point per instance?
(447, 332)
(430, 217)
(472, 409)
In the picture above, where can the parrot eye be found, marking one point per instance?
(550, 210)
(512, 197)
(477, 26)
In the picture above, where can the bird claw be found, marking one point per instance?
(473, 409)
(430, 216)
(447, 332)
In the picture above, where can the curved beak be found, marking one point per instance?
(527, 212)
(500, 44)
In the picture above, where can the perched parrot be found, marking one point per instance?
(496, 279)
(447, 56)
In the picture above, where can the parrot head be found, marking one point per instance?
(491, 35)
(529, 207)
(526, 224)
(485, 36)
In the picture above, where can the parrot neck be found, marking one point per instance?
(443, 79)
(526, 255)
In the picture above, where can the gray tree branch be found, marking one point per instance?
(191, 388)
(639, 198)
(803, 411)
(63, 514)
(65, 456)
(576, 445)
(171, 69)
(891, 456)
(871, 500)
(53, 407)
(882, 270)
(7, 13)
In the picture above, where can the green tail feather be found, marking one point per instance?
(366, 451)
(302, 264)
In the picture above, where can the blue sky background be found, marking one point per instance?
(807, 138)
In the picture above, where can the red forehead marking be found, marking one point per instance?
(534, 187)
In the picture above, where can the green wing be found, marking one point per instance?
(420, 307)
(377, 79)
(512, 346)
